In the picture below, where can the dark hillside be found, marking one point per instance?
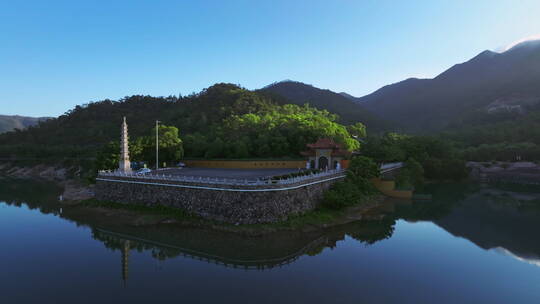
(85, 128)
(82, 129)
(223, 120)
(349, 112)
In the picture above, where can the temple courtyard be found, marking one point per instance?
(225, 173)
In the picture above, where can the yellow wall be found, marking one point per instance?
(247, 164)
(253, 164)
(388, 188)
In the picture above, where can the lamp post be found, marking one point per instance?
(157, 144)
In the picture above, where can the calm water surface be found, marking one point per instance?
(471, 244)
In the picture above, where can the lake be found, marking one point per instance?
(470, 244)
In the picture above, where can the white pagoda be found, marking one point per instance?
(125, 164)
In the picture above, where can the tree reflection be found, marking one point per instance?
(371, 232)
(36, 194)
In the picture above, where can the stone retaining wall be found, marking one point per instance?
(230, 204)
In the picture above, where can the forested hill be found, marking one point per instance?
(349, 111)
(12, 122)
(501, 135)
(83, 128)
(221, 121)
(488, 82)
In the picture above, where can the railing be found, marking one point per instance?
(218, 180)
(390, 166)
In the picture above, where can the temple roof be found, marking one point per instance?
(324, 143)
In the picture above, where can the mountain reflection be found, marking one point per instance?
(496, 218)
(501, 220)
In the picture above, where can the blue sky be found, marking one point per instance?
(57, 54)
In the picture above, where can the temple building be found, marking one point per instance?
(325, 154)
(125, 164)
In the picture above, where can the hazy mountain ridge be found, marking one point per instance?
(421, 105)
(347, 95)
(12, 122)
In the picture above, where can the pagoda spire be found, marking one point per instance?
(125, 164)
(125, 261)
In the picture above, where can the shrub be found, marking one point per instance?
(356, 186)
(362, 167)
(411, 175)
(342, 194)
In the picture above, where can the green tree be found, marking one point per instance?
(170, 145)
(411, 175)
(216, 149)
(356, 186)
(362, 167)
(357, 130)
(196, 144)
(108, 158)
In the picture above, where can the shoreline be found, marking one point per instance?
(77, 196)
(77, 199)
(51, 172)
(139, 216)
(524, 173)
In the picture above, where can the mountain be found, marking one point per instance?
(349, 111)
(9, 123)
(490, 81)
(222, 121)
(348, 96)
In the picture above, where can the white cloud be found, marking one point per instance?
(513, 44)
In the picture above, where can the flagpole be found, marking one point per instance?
(157, 144)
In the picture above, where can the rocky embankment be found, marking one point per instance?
(48, 172)
(511, 172)
(75, 191)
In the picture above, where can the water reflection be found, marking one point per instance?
(498, 219)
(501, 219)
(36, 194)
(234, 251)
